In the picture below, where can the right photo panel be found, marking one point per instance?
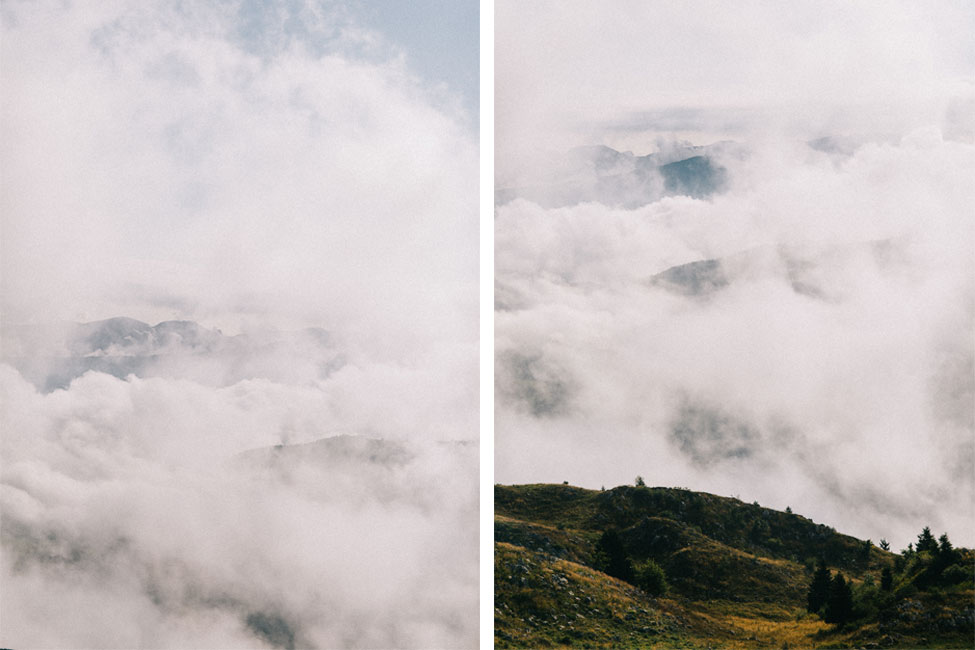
(734, 324)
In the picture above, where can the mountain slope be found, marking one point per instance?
(738, 575)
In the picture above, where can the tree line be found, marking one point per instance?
(930, 563)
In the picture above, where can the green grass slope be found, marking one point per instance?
(737, 574)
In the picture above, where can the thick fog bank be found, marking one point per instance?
(802, 338)
(164, 513)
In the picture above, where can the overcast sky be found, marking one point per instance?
(440, 39)
(575, 72)
(834, 374)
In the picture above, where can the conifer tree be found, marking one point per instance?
(839, 605)
(865, 550)
(886, 579)
(884, 544)
(945, 549)
(946, 555)
(819, 588)
(925, 541)
(612, 557)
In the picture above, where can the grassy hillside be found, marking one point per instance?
(569, 567)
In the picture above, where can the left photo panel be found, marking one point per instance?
(239, 324)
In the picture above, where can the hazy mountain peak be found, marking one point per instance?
(598, 173)
(51, 356)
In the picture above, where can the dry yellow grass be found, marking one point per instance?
(759, 633)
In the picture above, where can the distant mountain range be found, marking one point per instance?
(52, 355)
(621, 179)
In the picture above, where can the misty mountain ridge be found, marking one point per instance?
(122, 336)
(50, 356)
(598, 173)
(355, 466)
(811, 270)
(339, 449)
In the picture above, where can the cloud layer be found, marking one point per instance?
(621, 75)
(132, 518)
(258, 168)
(803, 339)
(160, 162)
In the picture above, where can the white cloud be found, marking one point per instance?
(608, 73)
(254, 167)
(154, 150)
(832, 374)
(130, 496)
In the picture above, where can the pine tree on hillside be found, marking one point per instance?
(884, 544)
(865, 550)
(612, 558)
(925, 541)
(886, 579)
(945, 550)
(946, 555)
(839, 605)
(819, 588)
